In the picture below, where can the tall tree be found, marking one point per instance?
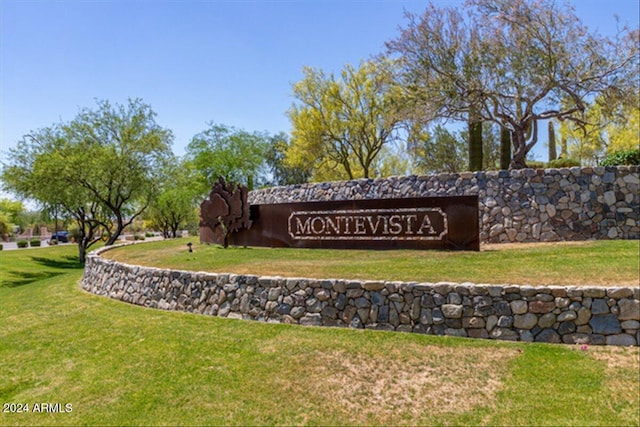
(531, 60)
(282, 172)
(177, 201)
(343, 122)
(101, 168)
(439, 151)
(124, 152)
(224, 151)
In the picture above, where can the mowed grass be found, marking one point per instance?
(598, 263)
(119, 364)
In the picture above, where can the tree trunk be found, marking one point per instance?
(505, 148)
(518, 161)
(475, 145)
(82, 250)
(114, 236)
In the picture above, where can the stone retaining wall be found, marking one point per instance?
(589, 315)
(515, 206)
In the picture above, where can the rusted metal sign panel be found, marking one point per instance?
(413, 223)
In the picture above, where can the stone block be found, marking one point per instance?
(619, 293)
(519, 307)
(599, 306)
(452, 311)
(549, 336)
(605, 324)
(629, 309)
(525, 321)
(594, 292)
(541, 307)
(455, 332)
(478, 333)
(566, 328)
(311, 319)
(525, 335)
(583, 316)
(373, 285)
(621, 339)
(567, 316)
(546, 320)
(505, 334)
(505, 321)
(630, 324)
(473, 322)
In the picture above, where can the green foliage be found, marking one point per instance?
(100, 169)
(535, 164)
(623, 157)
(563, 162)
(177, 201)
(224, 151)
(34, 242)
(11, 211)
(5, 225)
(439, 151)
(624, 130)
(1, 247)
(22, 243)
(340, 124)
(284, 173)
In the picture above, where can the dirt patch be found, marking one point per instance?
(416, 380)
(529, 245)
(626, 358)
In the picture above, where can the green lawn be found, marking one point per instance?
(599, 263)
(119, 364)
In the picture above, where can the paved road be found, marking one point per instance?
(8, 246)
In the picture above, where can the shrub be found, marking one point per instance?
(565, 162)
(22, 243)
(138, 237)
(148, 234)
(622, 158)
(34, 242)
(534, 164)
(1, 247)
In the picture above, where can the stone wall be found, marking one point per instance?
(515, 206)
(582, 315)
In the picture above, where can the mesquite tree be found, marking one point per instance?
(101, 168)
(512, 62)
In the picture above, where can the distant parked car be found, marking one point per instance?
(60, 236)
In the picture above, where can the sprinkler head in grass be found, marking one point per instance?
(190, 244)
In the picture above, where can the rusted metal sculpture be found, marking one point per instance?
(225, 211)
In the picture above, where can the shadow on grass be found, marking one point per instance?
(67, 262)
(50, 268)
(22, 278)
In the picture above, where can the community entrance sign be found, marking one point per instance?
(411, 223)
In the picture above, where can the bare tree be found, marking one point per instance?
(511, 62)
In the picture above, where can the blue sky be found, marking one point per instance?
(231, 62)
